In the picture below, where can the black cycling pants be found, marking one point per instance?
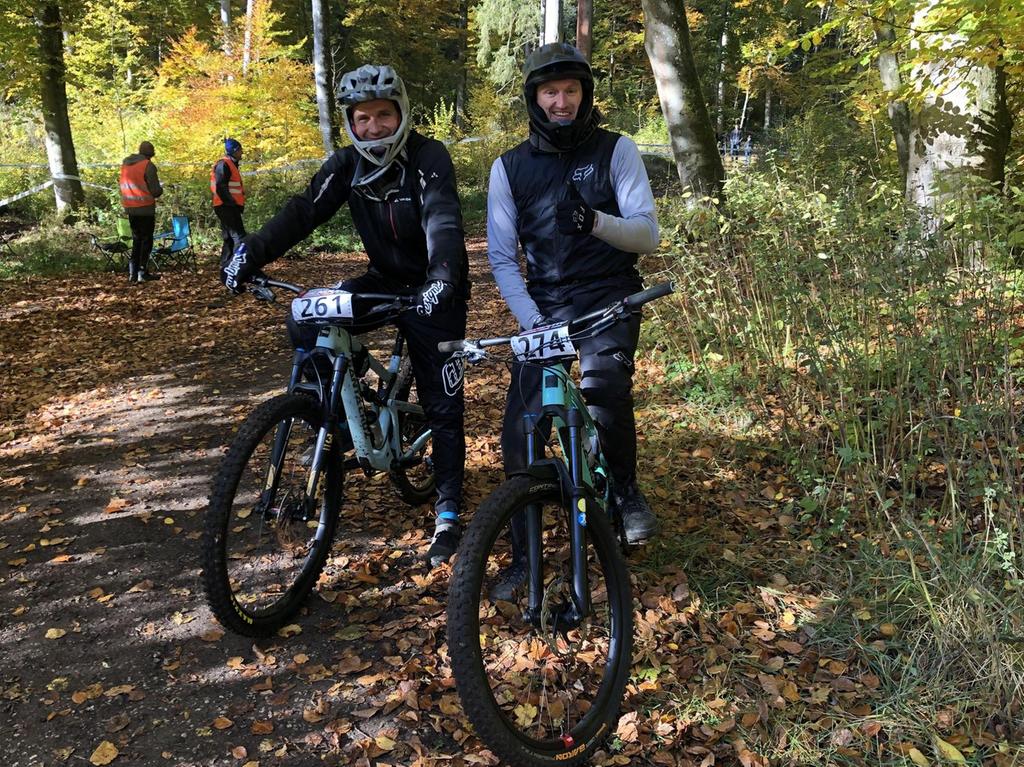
(142, 241)
(443, 402)
(606, 365)
(232, 230)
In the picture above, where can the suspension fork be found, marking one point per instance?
(578, 518)
(327, 429)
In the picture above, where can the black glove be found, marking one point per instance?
(572, 214)
(434, 296)
(242, 266)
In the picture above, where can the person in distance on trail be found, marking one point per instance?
(577, 199)
(229, 198)
(140, 186)
(400, 189)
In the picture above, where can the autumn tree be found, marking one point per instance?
(60, 146)
(667, 41)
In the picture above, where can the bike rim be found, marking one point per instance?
(553, 688)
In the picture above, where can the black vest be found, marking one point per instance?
(538, 180)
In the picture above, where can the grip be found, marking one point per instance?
(446, 347)
(645, 296)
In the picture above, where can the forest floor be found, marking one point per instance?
(116, 405)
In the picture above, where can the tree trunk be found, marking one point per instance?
(225, 25)
(899, 113)
(743, 112)
(462, 82)
(767, 105)
(584, 23)
(322, 74)
(667, 42)
(720, 88)
(247, 44)
(552, 31)
(962, 126)
(60, 147)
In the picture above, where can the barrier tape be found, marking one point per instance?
(26, 193)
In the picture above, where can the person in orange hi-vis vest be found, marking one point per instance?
(229, 198)
(140, 186)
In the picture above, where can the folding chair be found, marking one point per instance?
(174, 248)
(117, 249)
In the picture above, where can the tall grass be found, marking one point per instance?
(884, 368)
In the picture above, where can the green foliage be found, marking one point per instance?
(504, 29)
(886, 359)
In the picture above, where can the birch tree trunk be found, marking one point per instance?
(60, 147)
(767, 104)
(667, 42)
(322, 74)
(584, 23)
(899, 113)
(720, 88)
(225, 25)
(247, 44)
(963, 126)
(552, 31)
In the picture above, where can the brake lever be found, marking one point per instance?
(263, 293)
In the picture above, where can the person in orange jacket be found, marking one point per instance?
(140, 186)
(229, 198)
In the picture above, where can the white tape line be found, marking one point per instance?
(26, 193)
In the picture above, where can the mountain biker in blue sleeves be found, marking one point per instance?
(400, 188)
(577, 198)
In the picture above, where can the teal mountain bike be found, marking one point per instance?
(541, 668)
(277, 495)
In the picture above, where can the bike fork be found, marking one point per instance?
(327, 429)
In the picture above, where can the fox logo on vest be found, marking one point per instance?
(582, 174)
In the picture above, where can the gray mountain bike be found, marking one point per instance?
(277, 495)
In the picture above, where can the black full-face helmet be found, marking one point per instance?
(559, 61)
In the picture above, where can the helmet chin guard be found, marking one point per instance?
(369, 83)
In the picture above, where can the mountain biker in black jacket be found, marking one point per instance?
(400, 189)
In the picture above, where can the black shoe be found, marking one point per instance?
(446, 538)
(509, 579)
(638, 521)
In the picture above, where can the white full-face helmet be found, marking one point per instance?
(368, 83)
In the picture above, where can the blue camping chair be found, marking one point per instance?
(174, 248)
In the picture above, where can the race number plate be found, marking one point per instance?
(322, 304)
(544, 344)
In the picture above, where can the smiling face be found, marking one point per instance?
(560, 99)
(377, 119)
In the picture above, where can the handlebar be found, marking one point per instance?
(260, 287)
(610, 314)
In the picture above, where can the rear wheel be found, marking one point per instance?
(414, 482)
(546, 690)
(266, 538)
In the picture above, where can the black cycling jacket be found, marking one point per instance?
(413, 237)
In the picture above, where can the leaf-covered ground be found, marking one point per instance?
(115, 406)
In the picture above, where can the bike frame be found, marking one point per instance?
(376, 443)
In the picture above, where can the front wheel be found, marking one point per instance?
(539, 690)
(266, 537)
